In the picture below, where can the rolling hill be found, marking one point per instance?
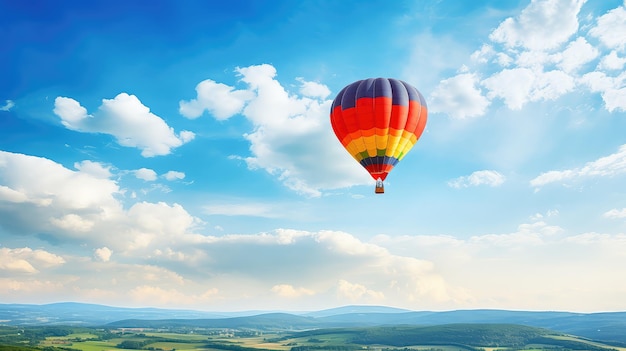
(610, 326)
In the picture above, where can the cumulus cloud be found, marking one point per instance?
(313, 89)
(529, 85)
(317, 260)
(459, 97)
(540, 55)
(543, 24)
(46, 184)
(615, 213)
(577, 53)
(302, 268)
(486, 177)
(290, 133)
(174, 175)
(514, 95)
(607, 166)
(249, 270)
(220, 100)
(8, 105)
(611, 29)
(612, 61)
(125, 118)
(103, 254)
(154, 223)
(39, 195)
(358, 292)
(610, 88)
(73, 223)
(146, 174)
(27, 260)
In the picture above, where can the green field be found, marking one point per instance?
(455, 337)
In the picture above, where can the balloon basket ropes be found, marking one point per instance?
(380, 187)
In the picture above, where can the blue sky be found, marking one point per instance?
(181, 156)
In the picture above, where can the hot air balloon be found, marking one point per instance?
(378, 120)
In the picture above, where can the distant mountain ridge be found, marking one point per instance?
(599, 326)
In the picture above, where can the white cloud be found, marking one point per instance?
(73, 223)
(125, 118)
(313, 89)
(336, 268)
(221, 100)
(292, 133)
(10, 195)
(577, 53)
(612, 62)
(542, 59)
(528, 86)
(8, 105)
(152, 223)
(95, 169)
(544, 24)
(71, 112)
(615, 213)
(286, 290)
(486, 177)
(16, 265)
(611, 29)
(534, 60)
(551, 85)
(358, 292)
(610, 88)
(41, 196)
(514, 95)
(484, 54)
(103, 254)
(606, 166)
(146, 174)
(459, 97)
(563, 261)
(531, 234)
(27, 260)
(246, 270)
(174, 175)
(46, 184)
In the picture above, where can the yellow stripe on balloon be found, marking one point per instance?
(392, 145)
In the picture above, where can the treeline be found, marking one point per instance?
(461, 335)
(32, 336)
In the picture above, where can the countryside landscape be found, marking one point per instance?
(84, 327)
(313, 175)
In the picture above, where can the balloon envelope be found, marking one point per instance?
(378, 120)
